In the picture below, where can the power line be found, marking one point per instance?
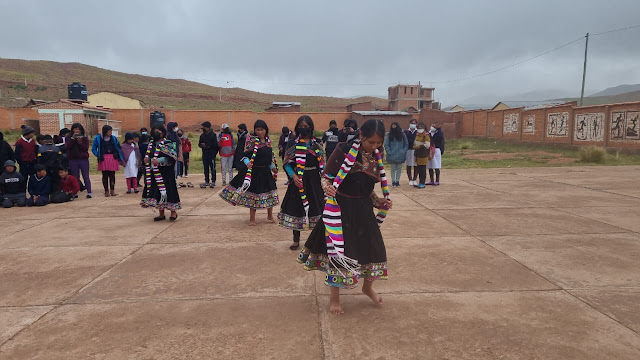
(621, 29)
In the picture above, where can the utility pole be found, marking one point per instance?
(584, 70)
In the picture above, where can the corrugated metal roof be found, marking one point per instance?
(381, 113)
(290, 103)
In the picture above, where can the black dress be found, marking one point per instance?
(292, 214)
(151, 195)
(362, 237)
(242, 138)
(262, 193)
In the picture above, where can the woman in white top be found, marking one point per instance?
(131, 155)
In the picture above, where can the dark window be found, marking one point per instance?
(405, 90)
(411, 91)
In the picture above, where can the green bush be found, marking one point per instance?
(18, 87)
(40, 88)
(466, 145)
(592, 154)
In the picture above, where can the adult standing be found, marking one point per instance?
(242, 137)
(160, 189)
(227, 145)
(285, 137)
(26, 152)
(209, 145)
(109, 153)
(78, 154)
(410, 161)
(6, 152)
(396, 146)
(349, 132)
(172, 134)
(330, 138)
(143, 143)
(434, 165)
(303, 203)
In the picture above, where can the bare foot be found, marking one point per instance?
(252, 223)
(336, 309)
(368, 290)
(271, 219)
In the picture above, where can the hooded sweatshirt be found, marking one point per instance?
(12, 183)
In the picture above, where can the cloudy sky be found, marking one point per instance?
(339, 48)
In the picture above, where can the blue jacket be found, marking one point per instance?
(396, 151)
(41, 187)
(95, 148)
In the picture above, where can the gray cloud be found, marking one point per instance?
(271, 46)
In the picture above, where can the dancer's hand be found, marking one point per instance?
(249, 165)
(385, 203)
(155, 162)
(297, 180)
(330, 191)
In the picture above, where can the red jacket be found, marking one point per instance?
(186, 145)
(70, 185)
(26, 150)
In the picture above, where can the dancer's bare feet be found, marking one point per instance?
(334, 302)
(367, 289)
(270, 215)
(252, 223)
(271, 219)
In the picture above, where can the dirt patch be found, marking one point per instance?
(552, 158)
(561, 160)
(492, 156)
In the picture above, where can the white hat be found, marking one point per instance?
(225, 125)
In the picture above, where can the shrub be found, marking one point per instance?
(592, 154)
(40, 88)
(466, 145)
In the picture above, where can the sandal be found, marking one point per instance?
(182, 185)
(295, 246)
(171, 218)
(106, 194)
(189, 185)
(159, 218)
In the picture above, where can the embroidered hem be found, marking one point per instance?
(297, 223)
(153, 203)
(333, 278)
(250, 200)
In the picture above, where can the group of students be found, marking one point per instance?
(418, 149)
(331, 195)
(43, 172)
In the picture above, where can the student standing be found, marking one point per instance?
(183, 166)
(330, 138)
(410, 162)
(142, 146)
(434, 165)
(161, 190)
(132, 158)
(347, 245)
(421, 146)
(78, 155)
(26, 152)
(349, 132)
(285, 137)
(304, 201)
(396, 146)
(6, 152)
(254, 186)
(227, 145)
(13, 186)
(109, 153)
(239, 153)
(172, 134)
(209, 144)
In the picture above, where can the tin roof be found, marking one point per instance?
(381, 113)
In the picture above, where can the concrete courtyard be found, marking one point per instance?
(535, 263)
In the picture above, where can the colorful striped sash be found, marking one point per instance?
(301, 161)
(332, 216)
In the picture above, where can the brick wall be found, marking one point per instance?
(12, 118)
(116, 125)
(612, 125)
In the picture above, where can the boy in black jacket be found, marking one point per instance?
(209, 145)
(50, 157)
(12, 186)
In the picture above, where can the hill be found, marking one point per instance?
(612, 99)
(617, 90)
(48, 80)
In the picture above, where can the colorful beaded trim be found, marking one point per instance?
(297, 223)
(153, 203)
(249, 199)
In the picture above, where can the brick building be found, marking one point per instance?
(410, 98)
(284, 106)
(63, 113)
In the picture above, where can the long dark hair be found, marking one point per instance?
(105, 129)
(242, 127)
(261, 124)
(395, 134)
(78, 126)
(307, 119)
(372, 127)
(161, 128)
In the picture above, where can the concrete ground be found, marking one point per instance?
(536, 263)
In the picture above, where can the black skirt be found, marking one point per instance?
(151, 194)
(292, 214)
(262, 193)
(362, 238)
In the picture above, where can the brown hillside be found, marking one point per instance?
(48, 80)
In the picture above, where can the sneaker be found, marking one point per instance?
(204, 185)
(179, 176)
(213, 184)
(186, 176)
(413, 183)
(421, 186)
(136, 191)
(436, 183)
(224, 183)
(89, 196)
(430, 183)
(128, 191)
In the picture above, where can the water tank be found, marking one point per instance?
(77, 91)
(156, 117)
